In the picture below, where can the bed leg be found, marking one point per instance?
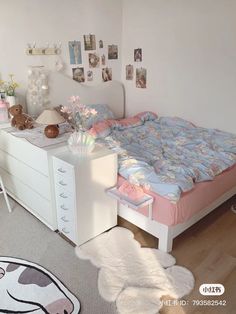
(166, 241)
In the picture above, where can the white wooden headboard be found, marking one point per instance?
(110, 93)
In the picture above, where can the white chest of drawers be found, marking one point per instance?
(26, 172)
(83, 208)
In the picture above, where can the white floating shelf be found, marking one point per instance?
(142, 202)
(43, 51)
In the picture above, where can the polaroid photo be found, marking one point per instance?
(78, 74)
(129, 72)
(75, 52)
(89, 42)
(112, 52)
(103, 59)
(89, 76)
(94, 60)
(141, 78)
(106, 74)
(138, 55)
(100, 43)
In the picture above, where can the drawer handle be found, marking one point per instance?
(64, 219)
(63, 195)
(65, 231)
(63, 207)
(62, 183)
(61, 170)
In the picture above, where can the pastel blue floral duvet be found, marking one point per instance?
(168, 155)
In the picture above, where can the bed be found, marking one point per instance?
(173, 211)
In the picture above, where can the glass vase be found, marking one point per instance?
(81, 143)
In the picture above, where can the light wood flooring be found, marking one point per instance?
(208, 249)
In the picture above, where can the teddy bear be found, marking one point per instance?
(20, 120)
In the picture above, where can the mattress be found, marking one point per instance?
(202, 195)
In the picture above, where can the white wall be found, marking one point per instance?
(189, 50)
(26, 21)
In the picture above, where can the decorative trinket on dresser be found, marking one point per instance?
(3, 111)
(20, 120)
(77, 115)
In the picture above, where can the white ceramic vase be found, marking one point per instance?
(81, 143)
(11, 100)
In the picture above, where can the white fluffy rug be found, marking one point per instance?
(136, 278)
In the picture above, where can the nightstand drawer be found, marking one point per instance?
(65, 206)
(64, 193)
(62, 168)
(64, 181)
(68, 229)
(65, 218)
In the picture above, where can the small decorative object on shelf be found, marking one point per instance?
(51, 118)
(132, 191)
(8, 88)
(76, 115)
(38, 90)
(145, 200)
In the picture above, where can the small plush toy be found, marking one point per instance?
(20, 120)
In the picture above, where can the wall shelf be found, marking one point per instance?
(146, 200)
(43, 51)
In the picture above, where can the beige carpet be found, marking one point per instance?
(24, 236)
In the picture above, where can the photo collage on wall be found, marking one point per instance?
(140, 73)
(95, 54)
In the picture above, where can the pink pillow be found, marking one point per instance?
(146, 116)
(126, 123)
(100, 129)
(132, 121)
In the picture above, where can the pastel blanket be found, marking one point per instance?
(168, 155)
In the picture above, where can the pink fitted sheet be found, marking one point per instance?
(201, 196)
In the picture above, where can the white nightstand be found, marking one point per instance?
(83, 208)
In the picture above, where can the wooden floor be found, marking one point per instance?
(208, 249)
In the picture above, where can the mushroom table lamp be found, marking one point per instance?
(51, 118)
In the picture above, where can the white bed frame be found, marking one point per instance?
(113, 94)
(164, 233)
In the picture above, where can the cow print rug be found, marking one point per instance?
(26, 287)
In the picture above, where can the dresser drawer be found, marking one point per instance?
(27, 175)
(24, 151)
(38, 205)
